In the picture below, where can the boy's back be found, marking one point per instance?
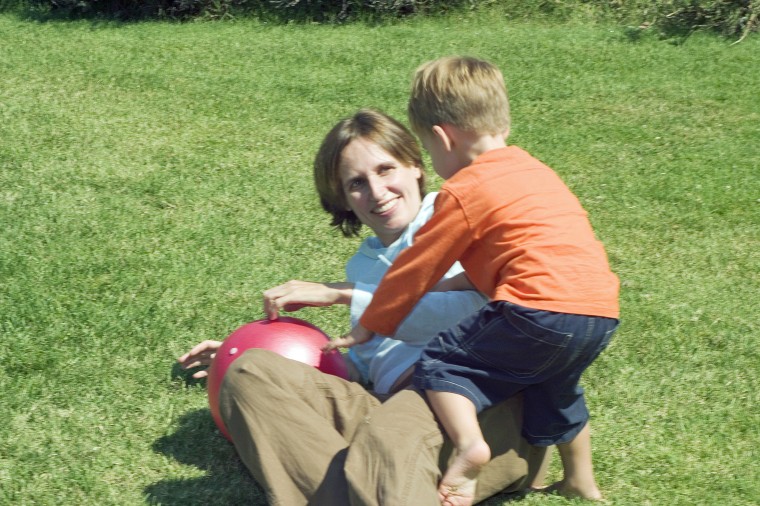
(532, 243)
(519, 232)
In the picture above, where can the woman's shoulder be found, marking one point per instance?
(361, 262)
(426, 210)
(428, 200)
(370, 247)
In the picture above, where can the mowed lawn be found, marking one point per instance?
(155, 178)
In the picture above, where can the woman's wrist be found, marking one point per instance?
(344, 291)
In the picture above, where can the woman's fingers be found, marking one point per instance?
(201, 374)
(200, 355)
(294, 295)
(270, 307)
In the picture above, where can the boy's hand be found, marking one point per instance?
(357, 335)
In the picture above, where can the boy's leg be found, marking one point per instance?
(579, 479)
(397, 455)
(591, 336)
(291, 424)
(459, 418)
(511, 455)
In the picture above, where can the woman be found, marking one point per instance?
(311, 438)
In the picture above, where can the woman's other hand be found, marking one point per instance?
(201, 355)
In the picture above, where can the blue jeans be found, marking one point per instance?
(504, 349)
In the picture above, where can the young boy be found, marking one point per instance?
(525, 241)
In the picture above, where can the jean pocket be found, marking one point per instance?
(607, 338)
(519, 347)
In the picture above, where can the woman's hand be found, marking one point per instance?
(201, 355)
(294, 295)
(358, 335)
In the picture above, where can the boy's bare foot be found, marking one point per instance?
(590, 492)
(457, 487)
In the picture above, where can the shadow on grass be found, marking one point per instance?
(503, 498)
(199, 443)
(186, 376)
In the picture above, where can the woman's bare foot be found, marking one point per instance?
(457, 487)
(590, 492)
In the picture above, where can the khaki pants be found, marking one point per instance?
(311, 438)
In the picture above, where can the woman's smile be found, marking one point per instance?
(386, 206)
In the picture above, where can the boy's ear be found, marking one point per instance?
(444, 134)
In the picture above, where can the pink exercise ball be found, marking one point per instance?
(290, 337)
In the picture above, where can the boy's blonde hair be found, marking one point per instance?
(461, 91)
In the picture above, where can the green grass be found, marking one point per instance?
(155, 178)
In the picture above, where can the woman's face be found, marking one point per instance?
(382, 192)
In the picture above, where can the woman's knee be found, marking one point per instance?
(254, 369)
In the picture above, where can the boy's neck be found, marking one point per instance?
(456, 148)
(472, 145)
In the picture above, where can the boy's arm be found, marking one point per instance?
(437, 245)
(435, 311)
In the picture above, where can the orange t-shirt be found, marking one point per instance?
(521, 236)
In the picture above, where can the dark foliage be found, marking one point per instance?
(671, 18)
(679, 18)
